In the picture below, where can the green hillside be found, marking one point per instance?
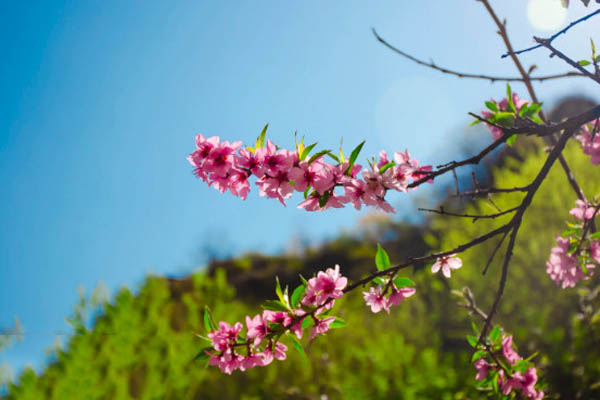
(143, 344)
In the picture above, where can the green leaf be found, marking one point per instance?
(318, 155)
(278, 291)
(503, 118)
(334, 157)
(597, 59)
(495, 334)
(342, 159)
(306, 322)
(532, 110)
(307, 151)
(353, 157)
(297, 345)
(202, 355)
(209, 322)
(523, 109)
(304, 281)
(475, 122)
(261, 137)
(386, 167)
(511, 105)
(511, 140)
(323, 199)
(403, 282)
(478, 354)
(274, 305)
(297, 295)
(492, 106)
(472, 340)
(306, 192)
(583, 63)
(338, 323)
(382, 260)
(474, 327)
(495, 381)
(378, 281)
(593, 48)
(595, 235)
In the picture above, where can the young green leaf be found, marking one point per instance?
(492, 106)
(495, 334)
(472, 340)
(386, 167)
(297, 345)
(297, 295)
(261, 137)
(511, 105)
(337, 323)
(317, 155)
(478, 354)
(307, 151)
(382, 260)
(306, 322)
(401, 282)
(353, 157)
(511, 140)
(334, 157)
(595, 235)
(274, 305)
(209, 322)
(278, 291)
(583, 63)
(342, 159)
(304, 281)
(202, 355)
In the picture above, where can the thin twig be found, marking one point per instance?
(475, 217)
(468, 75)
(491, 257)
(551, 38)
(546, 44)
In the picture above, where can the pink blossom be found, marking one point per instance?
(376, 300)
(562, 267)
(482, 368)
(225, 336)
(514, 382)
(331, 283)
(502, 106)
(238, 183)
(228, 362)
(257, 329)
(398, 295)
(508, 351)
(273, 160)
(282, 318)
(249, 161)
(277, 352)
(314, 175)
(321, 327)
(446, 264)
(251, 361)
(595, 251)
(583, 211)
(529, 380)
(590, 143)
(221, 157)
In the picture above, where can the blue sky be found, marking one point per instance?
(101, 102)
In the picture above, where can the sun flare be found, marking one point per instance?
(546, 15)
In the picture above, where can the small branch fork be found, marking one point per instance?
(562, 56)
(492, 79)
(475, 217)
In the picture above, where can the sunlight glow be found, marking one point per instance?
(546, 15)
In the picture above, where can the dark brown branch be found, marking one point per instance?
(554, 51)
(515, 223)
(468, 75)
(527, 81)
(392, 270)
(491, 258)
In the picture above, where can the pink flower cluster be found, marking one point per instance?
(377, 300)
(280, 172)
(502, 107)
(446, 264)
(260, 344)
(518, 380)
(564, 265)
(590, 142)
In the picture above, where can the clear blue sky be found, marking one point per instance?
(100, 103)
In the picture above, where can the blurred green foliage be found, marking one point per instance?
(142, 345)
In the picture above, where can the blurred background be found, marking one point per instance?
(110, 247)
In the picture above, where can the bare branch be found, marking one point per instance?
(546, 44)
(492, 79)
(475, 217)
